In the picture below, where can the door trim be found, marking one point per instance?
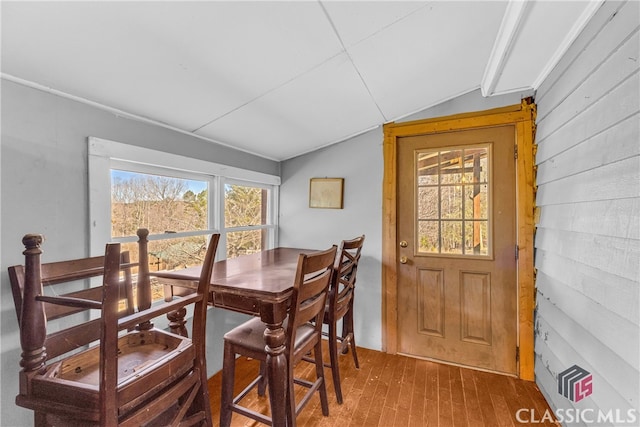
(523, 117)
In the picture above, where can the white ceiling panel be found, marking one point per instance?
(183, 64)
(438, 52)
(281, 78)
(357, 20)
(325, 105)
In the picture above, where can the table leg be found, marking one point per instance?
(274, 338)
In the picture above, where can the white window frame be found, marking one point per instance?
(272, 212)
(105, 155)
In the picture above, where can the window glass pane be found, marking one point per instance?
(169, 254)
(476, 238)
(428, 236)
(451, 167)
(244, 242)
(451, 202)
(476, 201)
(244, 206)
(451, 237)
(427, 168)
(159, 203)
(428, 203)
(475, 165)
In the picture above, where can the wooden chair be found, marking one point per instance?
(116, 369)
(340, 306)
(303, 334)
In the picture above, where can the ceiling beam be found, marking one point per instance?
(513, 16)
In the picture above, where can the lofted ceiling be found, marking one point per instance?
(283, 78)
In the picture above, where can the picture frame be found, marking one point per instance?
(326, 193)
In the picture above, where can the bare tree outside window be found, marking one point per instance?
(163, 205)
(244, 207)
(166, 205)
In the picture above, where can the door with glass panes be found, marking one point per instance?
(457, 289)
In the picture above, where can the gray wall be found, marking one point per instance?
(360, 161)
(588, 236)
(45, 190)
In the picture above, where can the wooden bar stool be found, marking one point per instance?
(303, 334)
(116, 369)
(340, 306)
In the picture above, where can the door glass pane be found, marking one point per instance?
(475, 165)
(451, 237)
(453, 199)
(429, 232)
(427, 168)
(428, 203)
(476, 201)
(451, 167)
(476, 238)
(451, 202)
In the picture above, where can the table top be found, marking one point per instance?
(266, 275)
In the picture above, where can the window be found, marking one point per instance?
(174, 209)
(246, 218)
(453, 200)
(181, 201)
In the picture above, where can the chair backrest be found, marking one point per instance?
(66, 282)
(200, 311)
(344, 279)
(310, 289)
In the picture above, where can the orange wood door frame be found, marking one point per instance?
(523, 117)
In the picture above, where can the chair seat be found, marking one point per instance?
(250, 335)
(153, 358)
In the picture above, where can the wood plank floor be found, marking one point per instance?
(391, 390)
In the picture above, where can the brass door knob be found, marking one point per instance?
(403, 260)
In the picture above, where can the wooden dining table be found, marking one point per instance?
(260, 284)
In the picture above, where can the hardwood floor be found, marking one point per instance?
(392, 390)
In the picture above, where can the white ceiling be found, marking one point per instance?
(279, 79)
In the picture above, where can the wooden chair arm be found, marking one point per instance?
(135, 319)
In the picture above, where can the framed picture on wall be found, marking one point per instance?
(326, 193)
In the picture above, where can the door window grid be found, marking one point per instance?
(453, 198)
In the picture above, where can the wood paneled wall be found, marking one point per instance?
(588, 232)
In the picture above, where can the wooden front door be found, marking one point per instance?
(456, 237)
